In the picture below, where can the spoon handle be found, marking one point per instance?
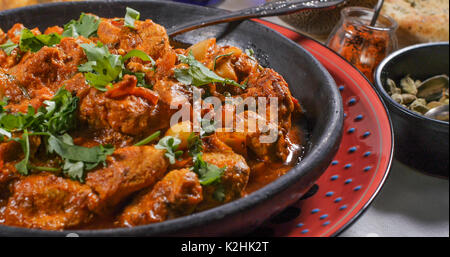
(264, 10)
(377, 12)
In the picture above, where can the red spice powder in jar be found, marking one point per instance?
(359, 43)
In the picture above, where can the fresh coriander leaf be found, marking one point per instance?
(207, 173)
(208, 127)
(219, 194)
(102, 67)
(78, 159)
(5, 133)
(8, 47)
(57, 117)
(19, 121)
(198, 74)
(140, 78)
(86, 26)
(195, 144)
(22, 166)
(221, 56)
(130, 17)
(74, 152)
(170, 144)
(3, 103)
(75, 170)
(30, 42)
(148, 139)
(49, 169)
(139, 54)
(60, 116)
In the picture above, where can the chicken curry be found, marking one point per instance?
(87, 138)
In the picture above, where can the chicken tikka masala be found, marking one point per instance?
(86, 138)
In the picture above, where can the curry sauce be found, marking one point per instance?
(92, 128)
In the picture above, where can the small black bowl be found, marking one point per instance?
(422, 143)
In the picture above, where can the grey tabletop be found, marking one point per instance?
(410, 203)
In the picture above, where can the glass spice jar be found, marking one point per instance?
(363, 45)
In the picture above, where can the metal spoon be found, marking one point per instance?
(439, 113)
(264, 10)
(376, 13)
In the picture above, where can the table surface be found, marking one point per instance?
(410, 204)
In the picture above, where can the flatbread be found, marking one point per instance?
(420, 21)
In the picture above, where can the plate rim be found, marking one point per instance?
(380, 186)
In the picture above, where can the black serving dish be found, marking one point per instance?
(421, 142)
(309, 82)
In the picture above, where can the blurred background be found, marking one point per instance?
(419, 21)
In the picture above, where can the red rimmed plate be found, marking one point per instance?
(359, 169)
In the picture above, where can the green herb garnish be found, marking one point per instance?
(208, 127)
(86, 26)
(34, 43)
(104, 68)
(131, 17)
(149, 139)
(198, 74)
(53, 121)
(207, 173)
(170, 144)
(221, 56)
(195, 144)
(78, 159)
(22, 166)
(219, 194)
(8, 47)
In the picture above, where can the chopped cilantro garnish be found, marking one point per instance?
(220, 56)
(219, 194)
(170, 144)
(53, 121)
(34, 43)
(198, 74)
(131, 17)
(104, 68)
(8, 47)
(195, 144)
(149, 139)
(139, 54)
(208, 127)
(78, 159)
(86, 26)
(207, 173)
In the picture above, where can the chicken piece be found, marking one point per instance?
(177, 194)
(148, 37)
(128, 170)
(9, 87)
(50, 66)
(3, 36)
(14, 32)
(234, 179)
(270, 84)
(131, 115)
(77, 85)
(253, 131)
(54, 29)
(8, 174)
(49, 202)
